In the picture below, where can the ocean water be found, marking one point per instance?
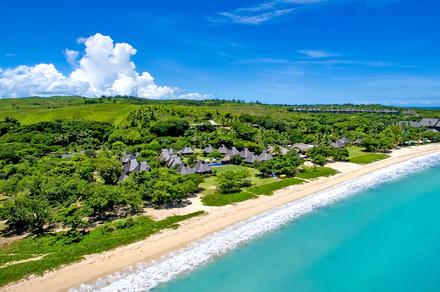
(380, 232)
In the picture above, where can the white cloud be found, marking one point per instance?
(253, 19)
(194, 96)
(10, 55)
(71, 57)
(260, 13)
(268, 10)
(262, 60)
(39, 80)
(317, 53)
(105, 68)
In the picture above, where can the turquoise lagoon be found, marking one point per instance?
(377, 233)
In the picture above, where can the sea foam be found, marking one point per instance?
(148, 275)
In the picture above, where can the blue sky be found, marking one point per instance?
(275, 51)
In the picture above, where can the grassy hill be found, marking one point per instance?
(112, 110)
(33, 110)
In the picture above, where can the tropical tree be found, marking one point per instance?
(232, 181)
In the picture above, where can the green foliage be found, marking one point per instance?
(236, 159)
(91, 134)
(232, 181)
(105, 199)
(285, 164)
(244, 131)
(108, 169)
(162, 186)
(119, 147)
(24, 213)
(215, 154)
(63, 248)
(172, 127)
(75, 217)
(378, 143)
(318, 159)
(340, 154)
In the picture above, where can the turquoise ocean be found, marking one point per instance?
(380, 232)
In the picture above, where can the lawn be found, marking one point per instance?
(357, 155)
(260, 186)
(209, 183)
(217, 199)
(315, 172)
(56, 252)
(269, 189)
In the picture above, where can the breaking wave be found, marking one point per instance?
(148, 275)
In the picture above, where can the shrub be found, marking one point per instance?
(232, 181)
(24, 213)
(286, 164)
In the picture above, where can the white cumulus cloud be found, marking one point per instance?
(105, 68)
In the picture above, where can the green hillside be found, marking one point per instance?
(34, 110)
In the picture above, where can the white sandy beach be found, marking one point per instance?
(217, 218)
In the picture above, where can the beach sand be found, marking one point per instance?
(217, 218)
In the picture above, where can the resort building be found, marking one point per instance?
(340, 143)
(208, 149)
(433, 124)
(223, 150)
(264, 156)
(187, 151)
(303, 148)
(132, 165)
(202, 167)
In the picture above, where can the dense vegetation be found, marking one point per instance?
(60, 162)
(40, 253)
(63, 171)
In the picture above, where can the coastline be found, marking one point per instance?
(98, 265)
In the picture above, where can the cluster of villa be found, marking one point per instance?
(173, 158)
(433, 124)
(131, 164)
(245, 154)
(343, 110)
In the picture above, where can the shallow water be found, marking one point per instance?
(385, 238)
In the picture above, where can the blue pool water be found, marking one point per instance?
(383, 239)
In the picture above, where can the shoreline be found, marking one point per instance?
(154, 247)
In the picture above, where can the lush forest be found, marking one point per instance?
(62, 172)
(62, 160)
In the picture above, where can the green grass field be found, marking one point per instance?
(37, 109)
(106, 112)
(315, 172)
(260, 186)
(269, 189)
(56, 252)
(357, 155)
(217, 199)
